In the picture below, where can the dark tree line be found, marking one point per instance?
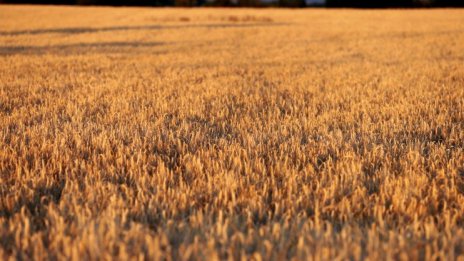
(290, 3)
(394, 3)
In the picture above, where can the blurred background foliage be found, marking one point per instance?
(254, 3)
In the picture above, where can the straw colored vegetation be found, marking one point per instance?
(205, 134)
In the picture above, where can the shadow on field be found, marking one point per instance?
(79, 30)
(101, 47)
(35, 204)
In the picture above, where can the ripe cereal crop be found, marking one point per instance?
(231, 134)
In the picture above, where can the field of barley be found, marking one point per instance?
(232, 134)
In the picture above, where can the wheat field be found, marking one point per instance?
(231, 134)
